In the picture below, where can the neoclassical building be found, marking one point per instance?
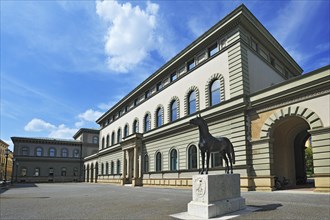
(53, 160)
(247, 87)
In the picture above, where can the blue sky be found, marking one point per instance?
(64, 63)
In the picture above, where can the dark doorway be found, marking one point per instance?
(289, 165)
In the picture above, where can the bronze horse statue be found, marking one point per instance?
(209, 144)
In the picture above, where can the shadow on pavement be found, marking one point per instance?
(264, 208)
(5, 187)
(23, 185)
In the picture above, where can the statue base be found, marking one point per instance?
(215, 195)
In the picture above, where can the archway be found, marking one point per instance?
(289, 136)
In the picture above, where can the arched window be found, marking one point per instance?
(76, 153)
(146, 164)
(158, 162)
(102, 169)
(174, 160)
(23, 171)
(37, 172)
(159, 119)
(75, 171)
(135, 126)
(118, 166)
(108, 141)
(63, 171)
(174, 110)
(39, 152)
(146, 122)
(52, 152)
(192, 102)
(126, 131)
(119, 135)
(102, 142)
(215, 92)
(51, 171)
(95, 140)
(107, 168)
(64, 152)
(113, 138)
(25, 151)
(112, 167)
(192, 157)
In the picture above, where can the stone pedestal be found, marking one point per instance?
(215, 195)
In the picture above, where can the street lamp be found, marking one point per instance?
(6, 155)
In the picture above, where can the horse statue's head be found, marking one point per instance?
(198, 121)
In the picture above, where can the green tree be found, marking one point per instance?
(309, 161)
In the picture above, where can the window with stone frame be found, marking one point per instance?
(39, 152)
(174, 110)
(146, 163)
(215, 96)
(158, 162)
(192, 102)
(192, 157)
(174, 160)
(159, 119)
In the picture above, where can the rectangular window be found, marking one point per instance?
(173, 77)
(223, 43)
(190, 64)
(181, 70)
(147, 94)
(213, 49)
(200, 57)
(136, 102)
(159, 86)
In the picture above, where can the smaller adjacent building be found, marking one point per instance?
(6, 160)
(53, 160)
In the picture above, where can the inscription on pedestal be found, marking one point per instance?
(200, 187)
(215, 195)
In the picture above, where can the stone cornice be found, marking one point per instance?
(45, 141)
(86, 130)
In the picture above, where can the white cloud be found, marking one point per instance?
(90, 115)
(131, 34)
(38, 125)
(61, 131)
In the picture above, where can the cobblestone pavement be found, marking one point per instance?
(105, 201)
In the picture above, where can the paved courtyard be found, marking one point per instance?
(105, 201)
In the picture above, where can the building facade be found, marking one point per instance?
(6, 161)
(246, 86)
(53, 160)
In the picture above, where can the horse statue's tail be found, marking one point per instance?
(232, 152)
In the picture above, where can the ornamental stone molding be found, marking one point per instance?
(160, 106)
(186, 99)
(216, 76)
(169, 108)
(144, 126)
(311, 117)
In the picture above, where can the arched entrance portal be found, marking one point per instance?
(290, 135)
